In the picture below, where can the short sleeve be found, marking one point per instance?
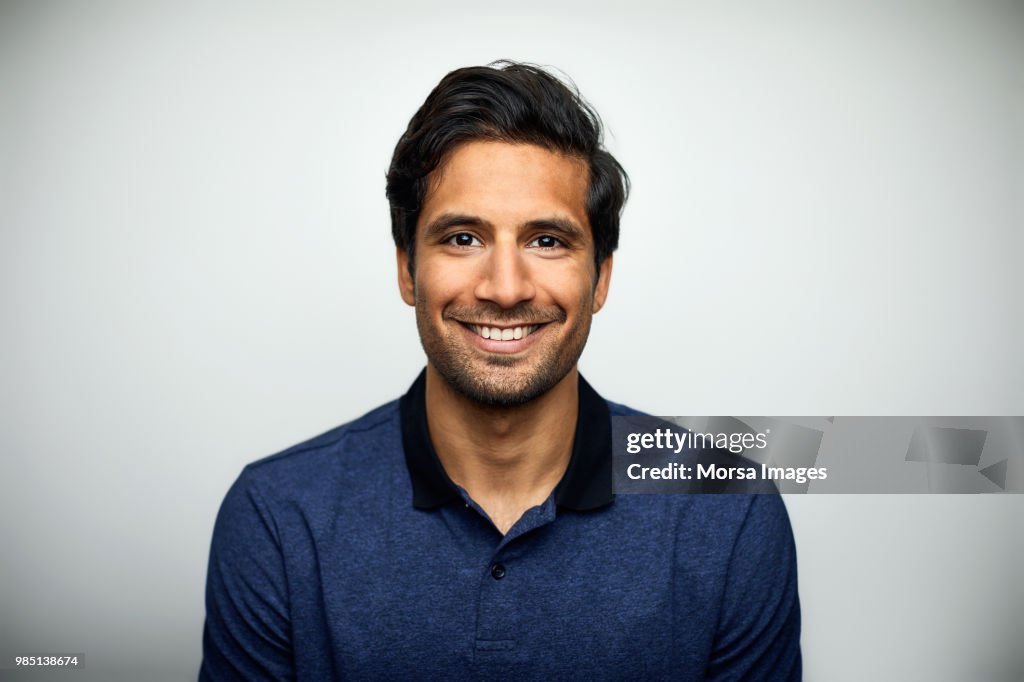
(247, 630)
(758, 634)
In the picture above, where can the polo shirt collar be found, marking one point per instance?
(586, 484)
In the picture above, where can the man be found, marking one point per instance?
(469, 530)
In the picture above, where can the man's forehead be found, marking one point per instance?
(501, 182)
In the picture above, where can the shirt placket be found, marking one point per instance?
(502, 576)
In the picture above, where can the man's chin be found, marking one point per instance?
(504, 389)
(501, 394)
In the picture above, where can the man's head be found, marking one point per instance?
(505, 211)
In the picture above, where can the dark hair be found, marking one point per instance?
(507, 102)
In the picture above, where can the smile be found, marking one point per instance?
(504, 333)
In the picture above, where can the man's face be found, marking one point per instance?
(504, 284)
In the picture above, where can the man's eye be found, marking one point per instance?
(462, 239)
(546, 242)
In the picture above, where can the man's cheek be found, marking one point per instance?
(442, 282)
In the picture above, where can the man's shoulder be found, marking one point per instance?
(719, 511)
(620, 410)
(363, 449)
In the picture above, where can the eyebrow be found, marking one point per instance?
(563, 226)
(448, 220)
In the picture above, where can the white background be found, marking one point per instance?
(197, 271)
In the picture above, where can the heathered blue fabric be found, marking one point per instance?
(321, 569)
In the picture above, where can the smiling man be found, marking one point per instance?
(469, 529)
(504, 286)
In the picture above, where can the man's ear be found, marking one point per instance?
(406, 285)
(604, 276)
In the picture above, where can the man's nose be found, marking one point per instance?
(506, 279)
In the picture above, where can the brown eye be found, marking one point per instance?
(463, 239)
(546, 242)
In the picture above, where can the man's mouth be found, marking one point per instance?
(503, 333)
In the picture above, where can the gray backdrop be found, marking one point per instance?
(197, 271)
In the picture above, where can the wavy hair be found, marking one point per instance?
(507, 102)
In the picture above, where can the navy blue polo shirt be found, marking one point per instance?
(354, 555)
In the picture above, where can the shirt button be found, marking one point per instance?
(498, 571)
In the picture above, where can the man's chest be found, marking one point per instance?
(569, 599)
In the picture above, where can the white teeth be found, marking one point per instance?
(505, 334)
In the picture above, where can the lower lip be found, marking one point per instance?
(510, 346)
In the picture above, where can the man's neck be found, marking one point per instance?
(508, 459)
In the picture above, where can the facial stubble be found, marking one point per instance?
(495, 379)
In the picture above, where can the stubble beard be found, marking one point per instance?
(494, 379)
